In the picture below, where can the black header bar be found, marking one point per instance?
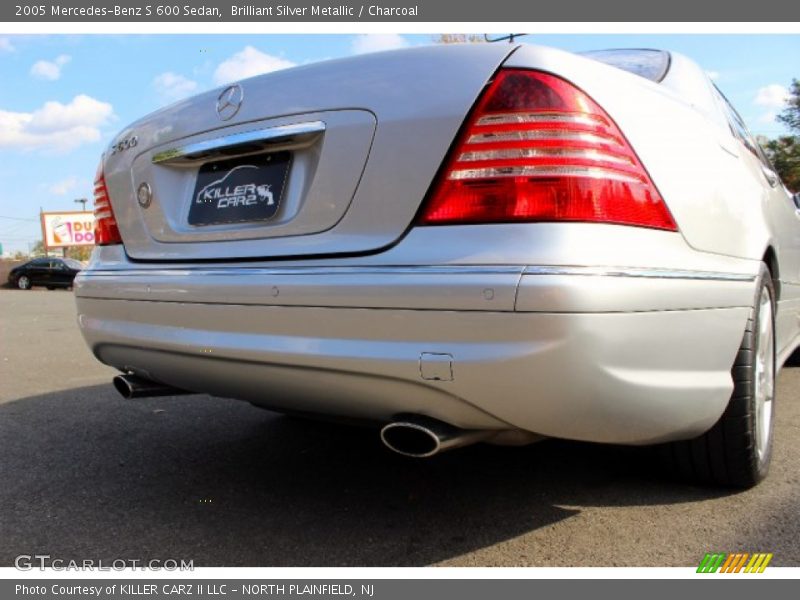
(410, 11)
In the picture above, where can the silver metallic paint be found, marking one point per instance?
(589, 376)
(594, 332)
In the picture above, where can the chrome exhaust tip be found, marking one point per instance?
(419, 436)
(132, 386)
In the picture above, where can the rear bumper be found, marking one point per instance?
(610, 355)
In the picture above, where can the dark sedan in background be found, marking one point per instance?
(45, 271)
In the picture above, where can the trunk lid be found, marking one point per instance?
(329, 158)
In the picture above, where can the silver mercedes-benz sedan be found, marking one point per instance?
(458, 243)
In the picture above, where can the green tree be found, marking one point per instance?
(81, 253)
(784, 152)
(790, 116)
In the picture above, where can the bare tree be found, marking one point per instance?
(458, 38)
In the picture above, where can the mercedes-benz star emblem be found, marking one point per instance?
(230, 101)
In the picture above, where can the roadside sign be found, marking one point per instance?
(66, 229)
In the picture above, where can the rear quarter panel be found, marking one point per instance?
(714, 187)
(718, 204)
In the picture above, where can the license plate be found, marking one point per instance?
(239, 190)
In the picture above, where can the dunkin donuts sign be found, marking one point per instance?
(68, 229)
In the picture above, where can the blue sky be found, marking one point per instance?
(62, 97)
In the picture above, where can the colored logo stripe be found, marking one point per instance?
(734, 563)
(758, 563)
(711, 562)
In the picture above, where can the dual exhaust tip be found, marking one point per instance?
(133, 386)
(417, 436)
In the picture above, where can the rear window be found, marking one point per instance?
(650, 64)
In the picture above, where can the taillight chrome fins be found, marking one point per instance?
(106, 231)
(536, 148)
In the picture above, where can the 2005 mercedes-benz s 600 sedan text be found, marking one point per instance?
(459, 243)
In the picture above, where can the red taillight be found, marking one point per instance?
(105, 225)
(536, 148)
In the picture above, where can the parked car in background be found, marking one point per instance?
(468, 243)
(45, 271)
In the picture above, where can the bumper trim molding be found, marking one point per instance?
(426, 270)
(634, 272)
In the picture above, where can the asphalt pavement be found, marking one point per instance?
(85, 474)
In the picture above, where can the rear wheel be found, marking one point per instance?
(24, 282)
(736, 451)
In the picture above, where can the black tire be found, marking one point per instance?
(24, 282)
(737, 450)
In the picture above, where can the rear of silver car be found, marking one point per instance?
(286, 243)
